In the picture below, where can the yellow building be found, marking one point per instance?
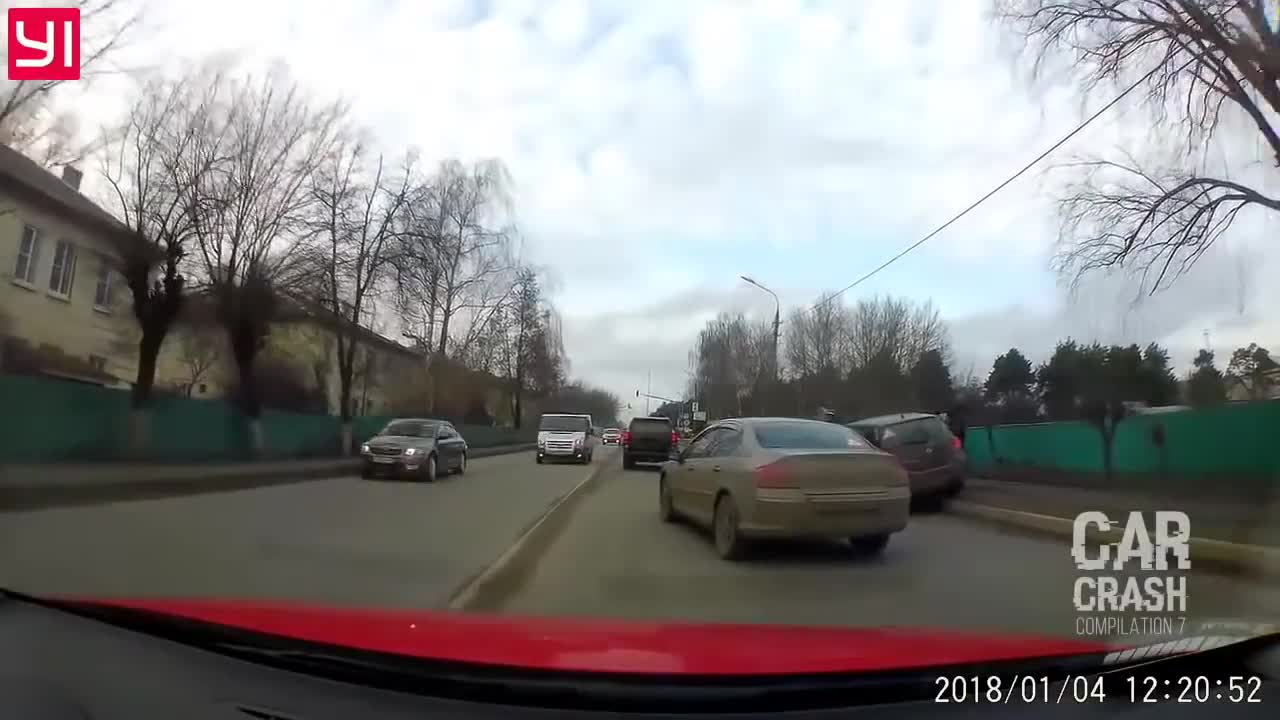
(66, 312)
(63, 306)
(195, 359)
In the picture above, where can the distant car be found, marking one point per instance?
(565, 436)
(934, 457)
(759, 478)
(611, 436)
(414, 447)
(648, 440)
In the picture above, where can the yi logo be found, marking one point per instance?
(44, 44)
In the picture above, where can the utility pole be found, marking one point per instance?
(777, 325)
(648, 389)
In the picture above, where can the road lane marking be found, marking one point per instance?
(492, 586)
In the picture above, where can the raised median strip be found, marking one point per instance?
(28, 487)
(1254, 561)
(489, 590)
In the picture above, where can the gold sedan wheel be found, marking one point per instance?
(666, 509)
(869, 544)
(729, 542)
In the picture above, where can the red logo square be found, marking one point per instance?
(44, 44)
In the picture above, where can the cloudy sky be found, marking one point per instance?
(661, 149)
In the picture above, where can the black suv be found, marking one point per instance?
(648, 439)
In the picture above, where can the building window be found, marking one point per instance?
(28, 255)
(102, 291)
(63, 271)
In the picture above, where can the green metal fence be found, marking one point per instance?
(57, 421)
(1239, 439)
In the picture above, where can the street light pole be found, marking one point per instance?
(777, 322)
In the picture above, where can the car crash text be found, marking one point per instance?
(1142, 572)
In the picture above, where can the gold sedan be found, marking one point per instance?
(758, 478)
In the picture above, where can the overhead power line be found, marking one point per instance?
(1037, 160)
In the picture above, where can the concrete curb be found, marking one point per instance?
(489, 589)
(1252, 561)
(153, 483)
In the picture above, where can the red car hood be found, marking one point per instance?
(619, 646)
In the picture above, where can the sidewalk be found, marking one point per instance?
(1235, 536)
(26, 486)
(1255, 524)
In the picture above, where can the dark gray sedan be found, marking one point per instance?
(414, 448)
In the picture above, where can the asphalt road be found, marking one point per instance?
(348, 541)
(616, 559)
(335, 541)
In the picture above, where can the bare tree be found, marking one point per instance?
(49, 137)
(489, 352)
(456, 254)
(357, 208)
(525, 338)
(489, 300)
(252, 214)
(473, 253)
(529, 352)
(199, 353)
(819, 350)
(578, 396)
(152, 171)
(416, 265)
(29, 121)
(1253, 369)
(896, 328)
(367, 371)
(552, 370)
(1201, 63)
(733, 358)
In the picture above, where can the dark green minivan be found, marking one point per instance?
(933, 457)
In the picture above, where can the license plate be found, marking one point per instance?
(384, 460)
(848, 510)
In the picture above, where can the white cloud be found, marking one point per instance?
(662, 148)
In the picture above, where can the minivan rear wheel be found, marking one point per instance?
(933, 502)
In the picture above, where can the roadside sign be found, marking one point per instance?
(700, 416)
